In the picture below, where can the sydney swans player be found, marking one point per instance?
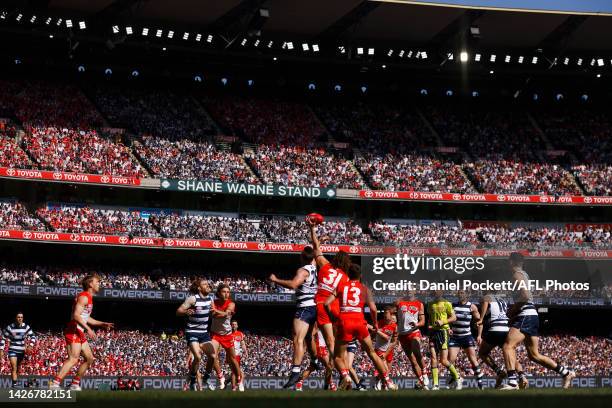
(240, 348)
(20, 337)
(352, 325)
(76, 333)
(385, 340)
(410, 318)
(524, 326)
(304, 283)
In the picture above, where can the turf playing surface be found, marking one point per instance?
(532, 398)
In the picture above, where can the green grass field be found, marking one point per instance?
(549, 398)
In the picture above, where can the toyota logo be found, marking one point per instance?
(169, 242)
(27, 234)
(10, 172)
(543, 199)
(369, 193)
(353, 249)
(123, 240)
(456, 197)
(57, 176)
(443, 252)
(105, 179)
(74, 237)
(588, 200)
(501, 197)
(216, 244)
(261, 245)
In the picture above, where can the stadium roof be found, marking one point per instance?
(354, 19)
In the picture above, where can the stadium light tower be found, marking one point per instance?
(463, 57)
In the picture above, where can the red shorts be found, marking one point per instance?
(226, 341)
(321, 352)
(323, 316)
(389, 357)
(350, 329)
(406, 339)
(74, 335)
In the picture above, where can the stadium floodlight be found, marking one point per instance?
(507, 59)
(424, 54)
(305, 47)
(315, 47)
(390, 53)
(493, 58)
(209, 39)
(48, 21)
(534, 60)
(477, 57)
(579, 62)
(270, 43)
(243, 42)
(450, 56)
(566, 61)
(33, 19)
(19, 17)
(82, 25)
(69, 23)
(370, 51)
(289, 45)
(186, 36)
(359, 50)
(129, 30)
(158, 33)
(59, 22)
(521, 59)
(198, 37)
(409, 54)
(145, 32)
(170, 34)
(463, 56)
(600, 62)
(401, 53)
(115, 29)
(257, 41)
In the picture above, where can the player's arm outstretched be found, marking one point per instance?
(300, 276)
(186, 308)
(229, 312)
(316, 245)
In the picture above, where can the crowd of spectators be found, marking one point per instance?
(298, 166)
(423, 234)
(413, 172)
(529, 237)
(11, 155)
(187, 159)
(291, 230)
(15, 216)
(208, 227)
(134, 353)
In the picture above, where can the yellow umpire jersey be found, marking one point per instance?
(439, 310)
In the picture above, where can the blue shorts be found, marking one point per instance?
(197, 338)
(528, 325)
(18, 354)
(307, 314)
(352, 347)
(462, 341)
(495, 338)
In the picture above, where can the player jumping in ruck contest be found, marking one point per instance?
(524, 327)
(21, 338)
(76, 333)
(304, 283)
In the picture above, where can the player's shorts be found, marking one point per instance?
(18, 354)
(201, 338)
(462, 341)
(495, 338)
(438, 339)
(352, 329)
(381, 353)
(321, 352)
(352, 347)
(226, 341)
(323, 316)
(73, 335)
(528, 325)
(306, 314)
(406, 339)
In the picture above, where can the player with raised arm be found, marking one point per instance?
(20, 337)
(461, 337)
(354, 296)
(76, 333)
(524, 326)
(304, 283)
(223, 310)
(440, 313)
(410, 318)
(385, 340)
(492, 332)
(331, 274)
(197, 309)
(240, 347)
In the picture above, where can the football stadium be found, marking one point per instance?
(275, 202)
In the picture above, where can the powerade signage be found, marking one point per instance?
(218, 187)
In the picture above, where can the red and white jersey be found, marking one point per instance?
(238, 339)
(85, 313)
(222, 325)
(328, 279)
(407, 313)
(389, 329)
(352, 295)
